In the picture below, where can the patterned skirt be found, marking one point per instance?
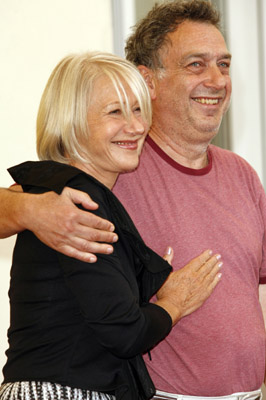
(47, 391)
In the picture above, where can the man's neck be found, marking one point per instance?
(190, 155)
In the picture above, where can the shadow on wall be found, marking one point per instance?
(6, 249)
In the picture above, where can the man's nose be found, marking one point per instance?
(215, 78)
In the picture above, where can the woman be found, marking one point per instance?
(78, 330)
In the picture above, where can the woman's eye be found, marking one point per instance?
(115, 111)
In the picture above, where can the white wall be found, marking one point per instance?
(35, 35)
(124, 18)
(246, 113)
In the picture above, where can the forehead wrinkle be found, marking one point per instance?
(205, 55)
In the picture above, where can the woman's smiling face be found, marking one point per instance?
(114, 141)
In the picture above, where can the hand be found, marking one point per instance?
(58, 223)
(187, 289)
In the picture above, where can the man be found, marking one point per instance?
(195, 196)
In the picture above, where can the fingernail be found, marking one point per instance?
(115, 238)
(109, 250)
(220, 264)
(218, 256)
(92, 259)
(210, 252)
(168, 250)
(112, 228)
(219, 275)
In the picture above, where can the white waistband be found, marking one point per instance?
(235, 396)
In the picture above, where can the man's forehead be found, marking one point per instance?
(195, 31)
(196, 38)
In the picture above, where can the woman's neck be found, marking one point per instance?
(107, 179)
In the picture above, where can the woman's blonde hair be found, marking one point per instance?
(62, 117)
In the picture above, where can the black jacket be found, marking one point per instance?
(79, 324)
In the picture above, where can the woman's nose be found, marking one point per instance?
(135, 125)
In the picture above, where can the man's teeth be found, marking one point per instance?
(207, 101)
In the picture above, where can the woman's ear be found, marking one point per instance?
(148, 76)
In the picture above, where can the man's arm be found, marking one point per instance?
(262, 297)
(57, 222)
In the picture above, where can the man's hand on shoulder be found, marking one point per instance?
(69, 230)
(58, 223)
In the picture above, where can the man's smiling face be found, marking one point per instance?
(195, 86)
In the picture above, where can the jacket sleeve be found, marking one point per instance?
(108, 295)
(108, 299)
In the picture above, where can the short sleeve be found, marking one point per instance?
(262, 205)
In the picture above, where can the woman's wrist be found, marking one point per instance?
(171, 309)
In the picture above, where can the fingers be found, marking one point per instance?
(87, 226)
(92, 244)
(79, 197)
(212, 272)
(75, 247)
(82, 242)
(213, 282)
(169, 255)
(93, 221)
(60, 224)
(200, 260)
(83, 255)
(79, 255)
(208, 274)
(207, 278)
(189, 287)
(211, 266)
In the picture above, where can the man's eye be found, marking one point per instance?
(195, 64)
(224, 65)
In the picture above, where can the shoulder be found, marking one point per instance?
(236, 168)
(228, 158)
(49, 175)
(44, 176)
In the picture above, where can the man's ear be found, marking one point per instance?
(148, 76)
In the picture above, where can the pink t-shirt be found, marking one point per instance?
(220, 348)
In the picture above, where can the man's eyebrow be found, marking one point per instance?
(227, 56)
